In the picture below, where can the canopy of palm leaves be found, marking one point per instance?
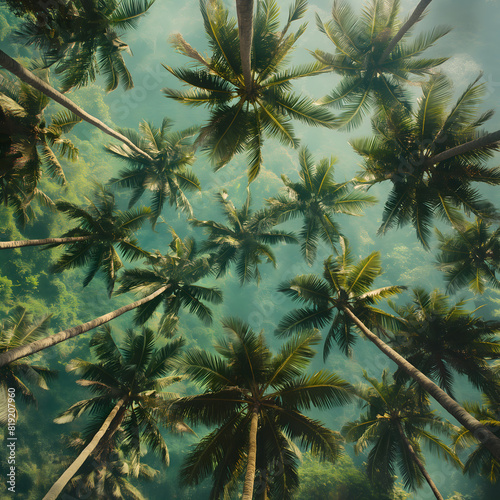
(165, 174)
(26, 143)
(80, 38)
(345, 283)
(178, 270)
(389, 408)
(439, 338)
(245, 241)
(245, 376)
(316, 197)
(138, 371)
(17, 329)
(108, 478)
(471, 257)
(241, 116)
(40, 8)
(105, 227)
(401, 150)
(368, 80)
(480, 460)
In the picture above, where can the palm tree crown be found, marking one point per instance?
(470, 257)
(345, 283)
(368, 78)
(439, 338)
(246, 384)
(26, 145)
(402, 150)
(394, 423)
(244, 241)
(80, 38)
(242, 113)
(316, 197)
(165, 172)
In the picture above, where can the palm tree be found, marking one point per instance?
(164, 172)
(470, 257)
(18, 329)
(347, 288)
(395, 423)
(374, 57)
(28, 77)
(244, 241)
(81, 40)
(254, 399)
(242, 110)
(92, 243)
(480, 461)
(403, 151)
(316, 197)
(28, 147)
(439, 338)
(128, 384)
(170, 280)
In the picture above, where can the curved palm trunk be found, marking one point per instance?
(482, 433)
(417, 460)
(252, 457)
(46, 241)
(59, 485)
(465, 148)
(28, 349)
(244, 9)
(28, 77)
(414, 18)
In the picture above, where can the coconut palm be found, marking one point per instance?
(80, 38)
(18, 329)
(170, 281)
(129, 385)
(374, 56)
(316, 197)
(439, 339)
(471, 257)
(242, 112)
(254, 399)
(344, 300)
(394, 424)
(244, 241)
(164, 172)
(92, 243)
(480, 460)
(40, 8)
(404, 149)
(28, 145)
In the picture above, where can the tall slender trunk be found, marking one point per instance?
(244, 9)
(417, 460)
(28, 77)
(45, 241)
(59, 485)
(38, 345)
(414, 18)
(482, 433)
(252, 456)
(465, 148)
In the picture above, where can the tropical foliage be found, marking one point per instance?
(241, 115)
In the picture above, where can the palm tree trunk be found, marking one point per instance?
(465, 148)
(414, 18)
(417, 460)
(46, 241)
(252, 456)
(38, 345)
(28, 77)
(244, 9)
(59, 485)
(482, 433)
